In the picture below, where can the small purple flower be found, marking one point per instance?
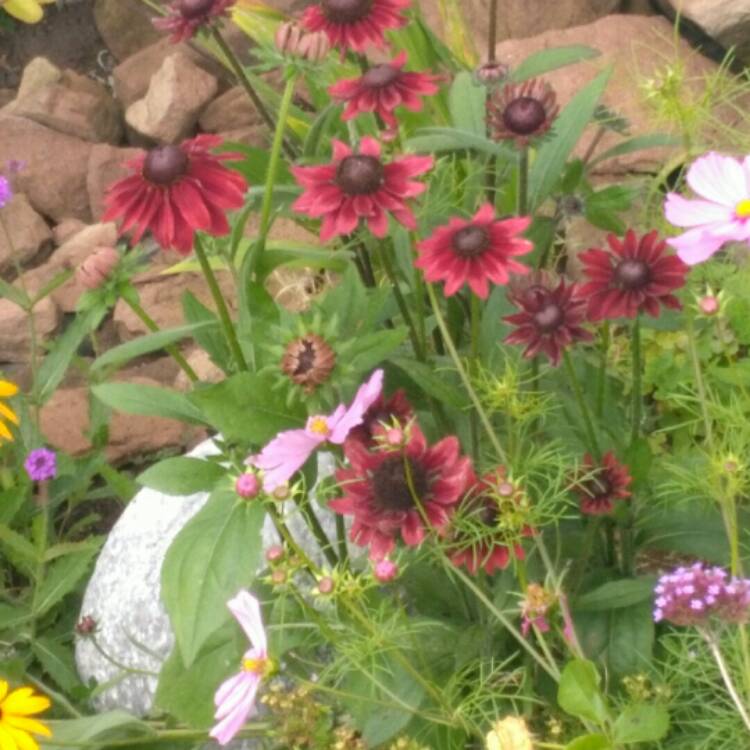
(694, 595)
(6, 193)
(41, 465)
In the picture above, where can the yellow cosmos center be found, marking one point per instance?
(742, 210)
(260, 667)
(319, 425)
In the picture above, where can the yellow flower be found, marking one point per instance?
(28, 11)
(16, 727)
(509, 734)
(6, 414)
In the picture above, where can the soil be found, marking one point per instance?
(67, 37)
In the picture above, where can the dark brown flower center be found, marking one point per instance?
(524, 115)
(598, 486)
(359, 174)
(165, 165)
(471, 241)
(308, 361)
(391, 486)
(549, 318)
(489, 513)
(194, 8)
(534, 297)
(380, 76)
(632, 274)
(345, 11)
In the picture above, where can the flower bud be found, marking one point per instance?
(314, 47)
(326, 585)
(281, 492)
(278, 577)
(385, 571)
(287, 37)
(292, 40)
(275, 553)
(96, 269)
(86, 626)
(491, 73)
(247, 486)
(510, 734)
(709, 305)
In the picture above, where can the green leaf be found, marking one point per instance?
(578, 693)
(590, 742)
(616, 594)
(453, 139)
(18, 549)
(148, 401)
(631, 639)
(434, 383)
(194, 312)
(56, 281)
(244, 407)
(12, 616)
(569, 126)
(214, 556)
(57, 661)
(95, 731)
(638, 143)
(149, 343)
(182, 475)
(552, 59)
(61, 578)
(14, 294)
(466, 101)
(641, 724)
(371, 349)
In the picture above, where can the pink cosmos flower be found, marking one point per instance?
(289, 450)
(235, 698)
(383, 88)
(721, 214)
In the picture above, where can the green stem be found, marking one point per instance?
(448, 341)
(476, 319)
(246, 84)
(273, 167)
(492, 38)
(523, 181)
(341, 538)
(699, 382)
(601, 383)
(221, 305)
(152, 326)
(317, 531)
(637, 367)
(582, 407)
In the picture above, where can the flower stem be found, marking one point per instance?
(150, 323)
(523, 181)
(601, 382)
(699, 382)
(637, 366)
(492, 38)
(258, 249)
(448, 341)
(317, 531)
(247, 85)
(582, 407)
(221, 305)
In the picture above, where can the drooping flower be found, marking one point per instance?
(720, 214)
(6, 192)
(235, 698)
(535, 607)
(355, 24)
(410, 491)
(475, 252)
(360, 186)
(384, 414)
(176, 191)
(488, 525)
(634, 275)
(383, 88)
(601, 485)
(308, 361)
(7, 390)
(41, 465)
(289, 450)
(97, 268)
(293, 40)
(694, 595)
(26, 11)
(511, 733)
(16, 725)
(185, 17)
(549, 318)
(521, 111)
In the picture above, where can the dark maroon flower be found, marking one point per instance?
(475, 252)
(383, 491)
(360, 186)
(602, 484)
(635, 275)
(549, 319)
(383, 88)
(185, 17)
(176, 191)
(384, 414)
(354, 24)
(521, 111)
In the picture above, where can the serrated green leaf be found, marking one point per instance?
(61, 578)
(57, 661)
(182, 475)
(12, 616)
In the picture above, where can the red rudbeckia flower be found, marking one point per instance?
(475, 252)
(383, 88)
(185, 17)
(353, 24)
(549, 319)
(393, 412)
(378, 492)
(601, 485)
(359, 186)
(634, 276)
(488, 525)
(176, 191)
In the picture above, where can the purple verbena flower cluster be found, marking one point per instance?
(692, 596)
(41, 465)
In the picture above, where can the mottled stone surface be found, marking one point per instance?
(123, 595)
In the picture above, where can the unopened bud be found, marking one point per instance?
(281, 492)
(86, 626)
(292, 40)
(506, 489)
(326, 585)
(491, 73)
(288, 36)
(709, 305)
(96, 269)
(247, 486)
(394, 436)
(314, 47)
(385, 571)
(275, 553)
(278, 577)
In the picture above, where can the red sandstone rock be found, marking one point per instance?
(27, 231)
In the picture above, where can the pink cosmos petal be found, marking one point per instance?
(367, 394)
(696, 245)
(237, 697)
(691, 213)
(228, 727)
(284, 455)
(718, 178)
(246, 609)
(229, 687)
